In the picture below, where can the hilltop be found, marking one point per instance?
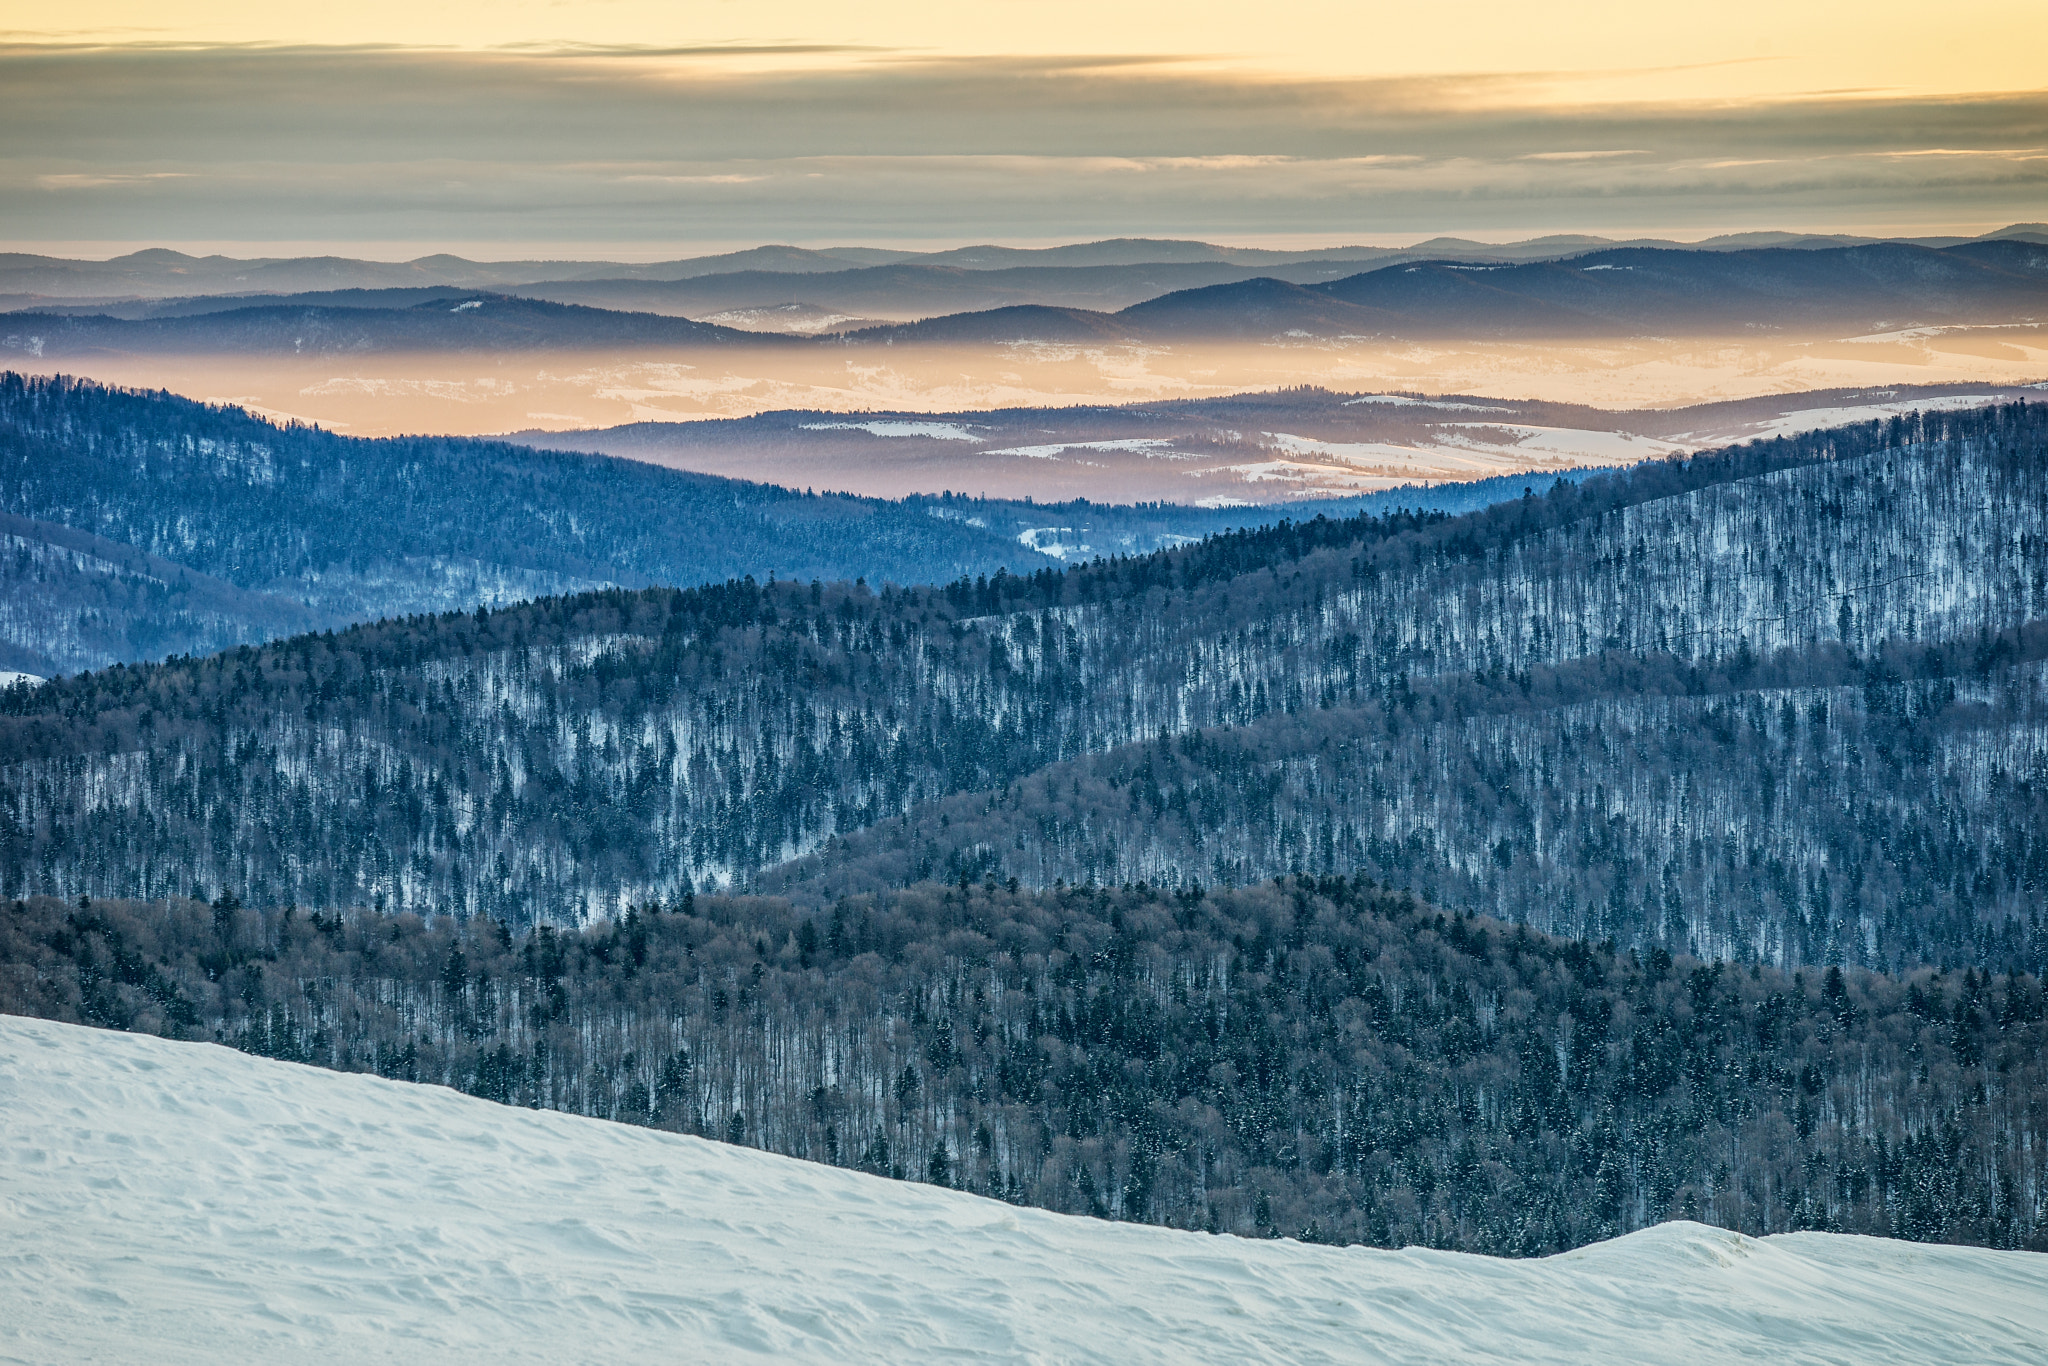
(216, 1206)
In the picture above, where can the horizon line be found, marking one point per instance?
(647, 253)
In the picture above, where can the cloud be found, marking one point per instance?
(86, 180)
(1586, 156)
(726, 178)
(685, 145)
(694, 50)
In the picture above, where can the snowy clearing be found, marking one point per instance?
(184, 1203)
(1815, 419)
(937, 431)
(1049, 540)
(1460, 451)
(1574, 445)
(1147, 444)
(1409, 401)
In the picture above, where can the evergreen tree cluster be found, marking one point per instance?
(1887, 810)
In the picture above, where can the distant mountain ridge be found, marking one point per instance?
(163, 273)
(469, 322)
(1617, 292)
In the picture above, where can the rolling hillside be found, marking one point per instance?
(481, 323)
(1434, 701)
(192, 527)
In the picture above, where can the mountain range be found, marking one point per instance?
(162, 273)
(1834, 291)
(1626, 292)
(493, 324)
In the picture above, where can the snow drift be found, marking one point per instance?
(182, 1202)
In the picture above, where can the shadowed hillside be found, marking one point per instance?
(1677, 706)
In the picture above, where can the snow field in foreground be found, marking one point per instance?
(176, 1202)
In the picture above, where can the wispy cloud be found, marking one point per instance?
(727, 178)
(87, 180)
(1586, 156)
(683, 144)
(692, 50)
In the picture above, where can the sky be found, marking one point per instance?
(635, 129)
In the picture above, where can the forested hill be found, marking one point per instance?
(1317, 1058)
(1622, 292)
(493, 324)
(1782, 702)
(324, 529)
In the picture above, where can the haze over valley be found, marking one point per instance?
(1593, 325)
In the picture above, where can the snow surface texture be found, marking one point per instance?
(176, 1202)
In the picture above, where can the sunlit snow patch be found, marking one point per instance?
(1405, 401)
(1048, 540)
(1065, 543)
(1815, 419)
(937, 431)
(1571, 445)
(800, 318)
(1147, 444)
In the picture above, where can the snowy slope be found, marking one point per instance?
(180, 1202)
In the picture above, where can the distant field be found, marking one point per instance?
(1248, 449)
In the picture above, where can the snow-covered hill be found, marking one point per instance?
(177, 1202)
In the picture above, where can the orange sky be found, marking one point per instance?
(1590, 48)
(642, 129)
